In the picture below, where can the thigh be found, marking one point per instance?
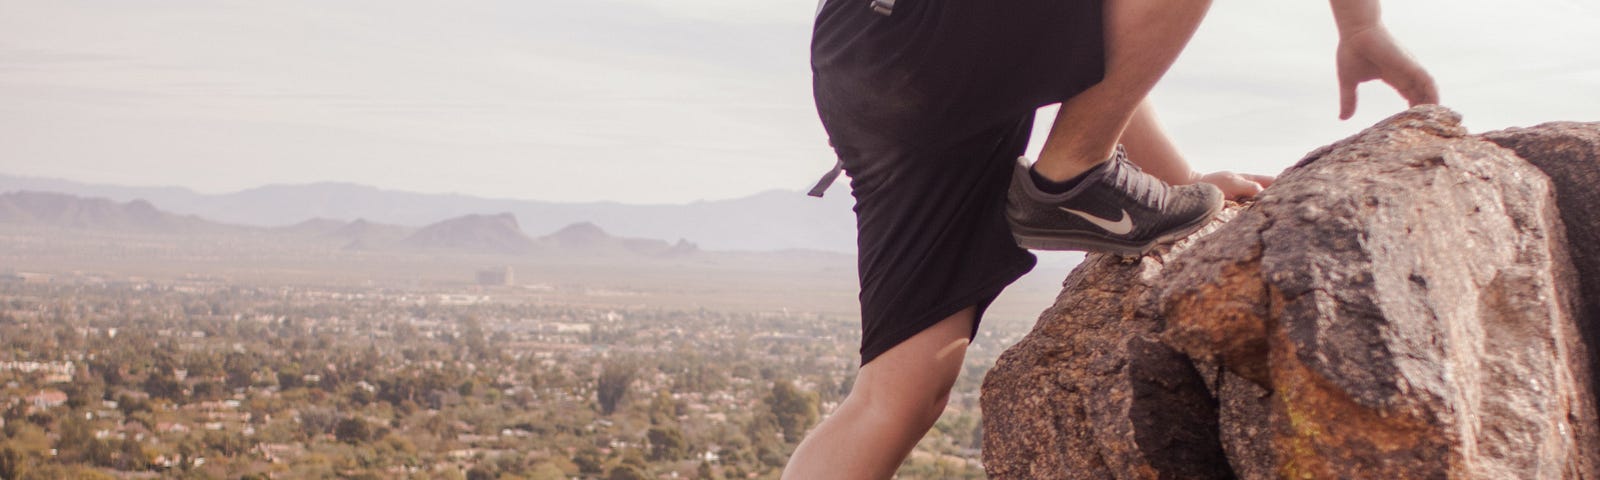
(932, 237)
(940, 70)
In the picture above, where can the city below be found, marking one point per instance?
(137, 353)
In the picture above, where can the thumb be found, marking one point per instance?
(1347, 99)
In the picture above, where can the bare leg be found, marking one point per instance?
(896, 399)
(1150, 148)
(900, 394)
(1142, 39)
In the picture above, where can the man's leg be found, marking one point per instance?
(1142, 39)
(896, 399)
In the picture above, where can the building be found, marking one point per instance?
(47, 398)
(496, 278)
(54, 372)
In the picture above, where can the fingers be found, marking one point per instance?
(1347, 98)
(1419, 89)
(1246, 188)
(1233, 185)
(1412, 83)
(1263, 180)
(1374, 55)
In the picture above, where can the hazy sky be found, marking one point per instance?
(643, 101)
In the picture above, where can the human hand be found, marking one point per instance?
(1371, 54)
(1236, 186)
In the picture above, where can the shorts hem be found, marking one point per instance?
(980, 297)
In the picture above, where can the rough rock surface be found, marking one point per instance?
(1569, 152)
(1092, 393)
(1401, 304)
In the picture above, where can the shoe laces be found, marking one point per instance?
(1143, 187)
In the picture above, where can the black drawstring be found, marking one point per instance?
(827, 179)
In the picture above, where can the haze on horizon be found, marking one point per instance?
(642, 101)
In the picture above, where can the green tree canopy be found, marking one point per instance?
(353, 431)
(667, 443)
(795, 409)
(627, 472)
(613, 385)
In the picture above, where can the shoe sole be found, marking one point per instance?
(1058, 242)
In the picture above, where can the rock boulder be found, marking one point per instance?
(1401, 304)
(1092, 392)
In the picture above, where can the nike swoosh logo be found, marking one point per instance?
(1119, 227)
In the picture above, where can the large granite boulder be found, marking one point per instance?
(1401, 304)
(1091, 392)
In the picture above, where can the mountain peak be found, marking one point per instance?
(581, 235)
(477, 233)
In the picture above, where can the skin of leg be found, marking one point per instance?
(1142, 39)
(896, 399)
(1152, 150)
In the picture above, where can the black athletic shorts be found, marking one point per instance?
(928, 108)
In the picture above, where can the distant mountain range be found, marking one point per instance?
(62, 210)
(476, 233)
(773, 220)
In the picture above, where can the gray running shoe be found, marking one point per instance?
(1117, 209)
